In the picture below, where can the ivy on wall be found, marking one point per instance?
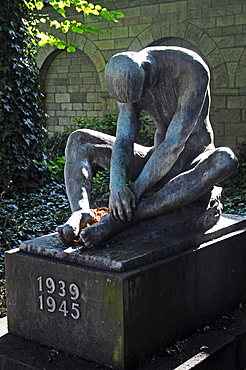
(21, 116)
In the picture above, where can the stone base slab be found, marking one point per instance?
(222, 347)
(119, 318)
(135, 247)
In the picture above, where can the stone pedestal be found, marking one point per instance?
(118, 305)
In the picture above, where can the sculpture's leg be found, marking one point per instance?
(85, 147)
(213, 167)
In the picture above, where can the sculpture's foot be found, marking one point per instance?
(76, 222)
(96, 234)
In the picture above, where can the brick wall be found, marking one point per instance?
(72, 89)
(214, 28)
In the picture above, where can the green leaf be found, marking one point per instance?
(61, 45)
(71, 48)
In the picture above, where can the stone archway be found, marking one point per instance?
(184, 33)
(72, 83)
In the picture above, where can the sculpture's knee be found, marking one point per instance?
(77, 144)
(80, 136)
(227, 160)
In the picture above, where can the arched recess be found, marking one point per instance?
(186, 34)
(72, 83)
(45, 55)
(240, 79)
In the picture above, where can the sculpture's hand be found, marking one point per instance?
(122, 203)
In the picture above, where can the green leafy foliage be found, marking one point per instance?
(100, 184)
(26, 216)
(65, 24)
(107, 124)
(21, 131)
(234, 188)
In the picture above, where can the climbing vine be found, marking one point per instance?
(21, 116)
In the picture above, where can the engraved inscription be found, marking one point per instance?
(68, 293)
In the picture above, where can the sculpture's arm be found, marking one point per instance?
(166, 154)
(122, 200)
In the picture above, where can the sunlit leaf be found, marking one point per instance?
(71, 48)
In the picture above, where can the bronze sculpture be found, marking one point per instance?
(170, 84)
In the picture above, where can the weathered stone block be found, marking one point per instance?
(128, 12)
(90, 48)
(219, 130)
(62, 98)
(194, 14)
(146, 19)
(214, 11)
(60, 81)
(66, 106)
(226, 115)
(204, 22)
(77, 97)
(240, 18)
(99, 61)
(136, 29)
(235, 129)
(194, 33)
(236, 102)
(214, 57)
(118, 305)
(119, 32)
(176, 6)
(73, 88)
(234, 9)
(198, 4)
(232, 55)
(90, 80)
(75, 81)
(146, 37)
(105, 44)
(232, 69)
(224, 21)
(241, 76)
(219, 76)
(63, 69)
(58, 128)
(64, 121)
(88, 106)
(206, 44)
(149, 10)
(92, 113)
(50, 98)
(77, 106)
(218, 102)
(218, 31)
(240, 40)
(122, 44)
(232, 30)
(61, 89)
(130, 21)
(74, 68)
(224, 40)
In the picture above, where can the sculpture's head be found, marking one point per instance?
(126, 76)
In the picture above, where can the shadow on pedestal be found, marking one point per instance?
(120, 305)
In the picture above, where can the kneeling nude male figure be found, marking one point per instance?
(171, 85)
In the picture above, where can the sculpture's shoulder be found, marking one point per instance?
(177, 59)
